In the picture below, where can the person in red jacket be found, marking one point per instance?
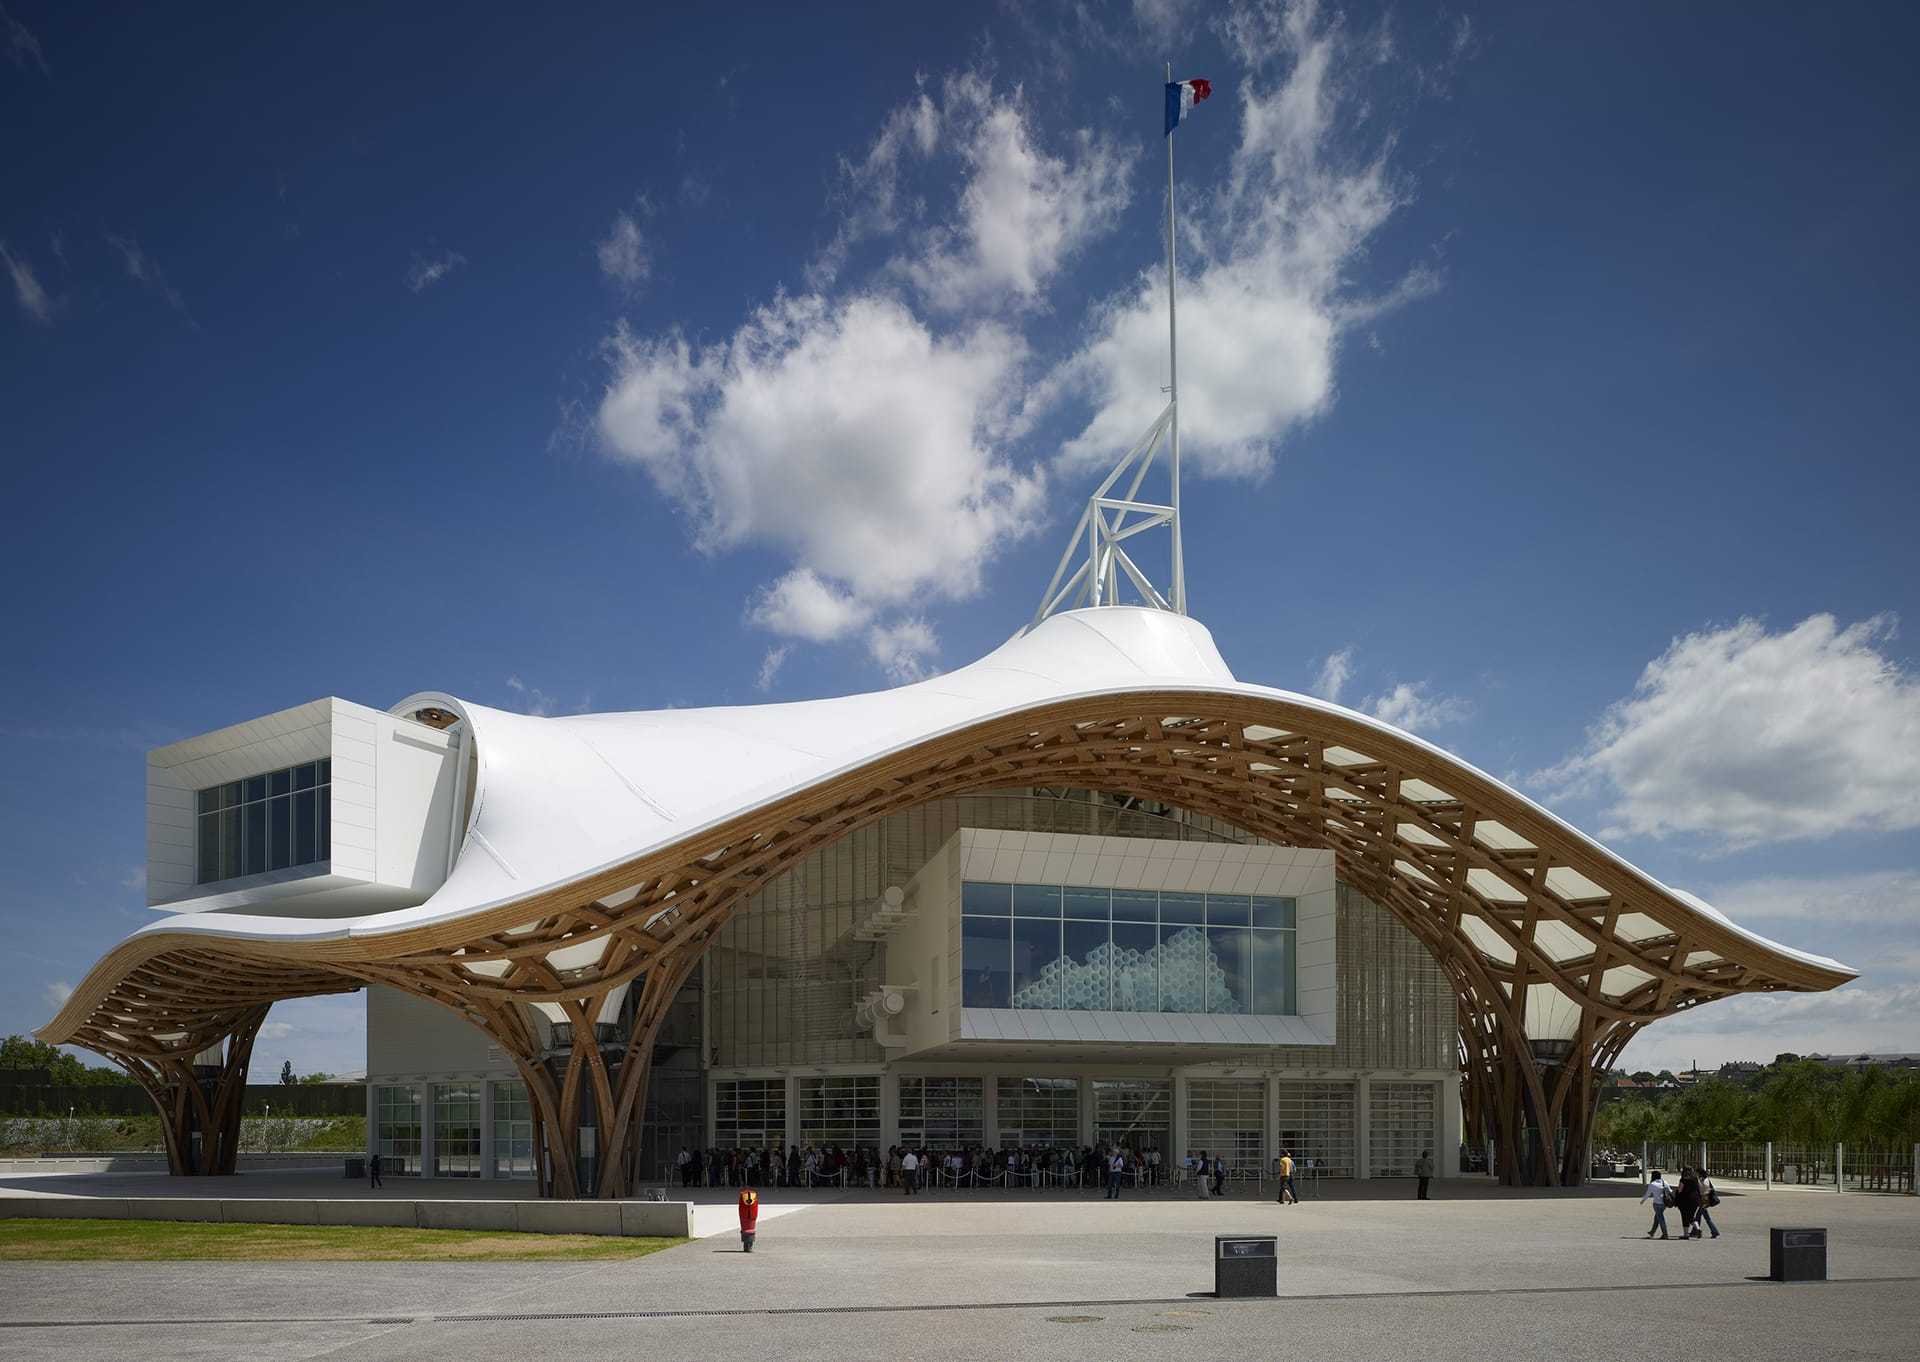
(749, 1217)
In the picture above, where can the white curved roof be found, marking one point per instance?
(559, 799)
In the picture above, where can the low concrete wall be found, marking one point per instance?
(274, 1211)
(570, 1217)
(157, 1163)
(658, 1219)
(663, 1219)
(469, 1215)
(393, 1214)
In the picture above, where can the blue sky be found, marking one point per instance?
(1542, 377)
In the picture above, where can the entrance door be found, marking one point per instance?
(1133, 1113)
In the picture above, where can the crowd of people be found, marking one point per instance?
(1693, 1196)
(914, 1168)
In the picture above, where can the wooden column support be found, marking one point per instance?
(199, 1112)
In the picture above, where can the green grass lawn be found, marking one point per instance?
(156, 1240)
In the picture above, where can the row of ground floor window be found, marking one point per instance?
(465, 1129)
(1364, 1125)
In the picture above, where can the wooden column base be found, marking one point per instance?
(199, 1105)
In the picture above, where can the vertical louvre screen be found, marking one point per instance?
(1227, 1118)
(1039, 1112)
(943, 1113)
(840, 1109)
(1401, 1124)
(1316, 1122)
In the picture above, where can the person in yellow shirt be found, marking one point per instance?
(1287, 1193)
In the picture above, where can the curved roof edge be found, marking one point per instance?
(563, 802)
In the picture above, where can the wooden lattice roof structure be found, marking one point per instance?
(605, 851)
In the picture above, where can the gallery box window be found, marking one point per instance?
(1125, 950)
(270, 822)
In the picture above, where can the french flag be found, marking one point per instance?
(1182, 95)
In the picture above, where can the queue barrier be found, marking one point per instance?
(1174, 1179)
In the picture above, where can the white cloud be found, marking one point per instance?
(902, 649)
(869, 193)
(1824, 902)
(22, 46)
(1266, 259)
(530, 699)
(800, 605)
(274, 1030)
(1162, 19)
(867, 429)
(1853, 1019)
(27, 289)
(1019, 214)
(843, 432)
(770, 666)
(56, 993)
(142, 268)
(1740, 736)
(1023, 212)
(624, 254)
(1334, 674)
(429, 268)
(1411, 706)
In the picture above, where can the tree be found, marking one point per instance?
(1626, 1123)
(286, 1074)
(315, 1079)
(63, 1070)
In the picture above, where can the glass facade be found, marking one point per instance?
(396, 1113)
(456, 1130)
(262, 823)
(512, 1131)
(1316, 1122)
(1038, 1111)
(840, 1109)
(1134, 1113)
(1227, 1117)
(944, 1113)
(1125, 950)
(1400, 1124)
(750, 1112)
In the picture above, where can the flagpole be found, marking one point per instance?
(1173, 389)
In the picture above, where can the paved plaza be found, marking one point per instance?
(1365, 1272)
